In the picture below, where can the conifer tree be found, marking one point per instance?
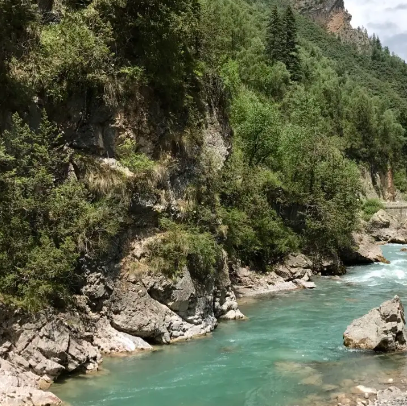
(275, 37)
(291, 56)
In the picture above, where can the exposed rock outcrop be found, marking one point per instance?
(293, 274)
(334, 17)
(383, 227)
(392, 396)
(382, 329)
(364, 250)
(35, 350)
(115, 313)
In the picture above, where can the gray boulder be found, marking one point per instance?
(381, 219)
(364, 250)
(382, 329)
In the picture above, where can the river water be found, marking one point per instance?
(288, 353)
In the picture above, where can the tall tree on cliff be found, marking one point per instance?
(16, 17)
(290, 47)
(275, 37)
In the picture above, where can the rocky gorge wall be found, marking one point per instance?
(333, 15)
(122, 307)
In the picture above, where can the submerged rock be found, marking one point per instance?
(382, 329)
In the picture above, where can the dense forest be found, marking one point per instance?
(307, 112)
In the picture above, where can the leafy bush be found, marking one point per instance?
(138, 163)
(74, 53)
(370, 207)
(184, 246)
(400, 180)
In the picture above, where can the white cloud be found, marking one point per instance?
(386, 18)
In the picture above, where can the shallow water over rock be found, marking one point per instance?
(288, 353)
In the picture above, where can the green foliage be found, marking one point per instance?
(72, 54)
(159, 36)
(305, 109)
(184, 246)
(275, 37)
(290, 45)
(400, 180)
(282, 42)
(258, 126)
(47, 221)
(17, 35)
(370, 207)
(250, 225)
(128, 156)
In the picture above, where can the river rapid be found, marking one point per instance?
(289, 352)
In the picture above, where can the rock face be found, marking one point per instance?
(333, 15)
(364, 251)
(383, 227)
(116, 313)
(382, 329)
(294, 273)
(35, 350)
(380, 220)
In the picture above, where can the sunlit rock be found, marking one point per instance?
(382, 329)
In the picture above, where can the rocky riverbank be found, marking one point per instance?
(125, 314)
(124, 307)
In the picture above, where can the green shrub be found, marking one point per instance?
(72, 54)
(400, 180)
(183, 246)
(138, 163)
(370, 207)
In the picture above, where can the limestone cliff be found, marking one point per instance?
(333, 15)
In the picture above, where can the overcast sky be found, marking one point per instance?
(386, 18)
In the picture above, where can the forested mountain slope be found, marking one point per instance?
(221, 124)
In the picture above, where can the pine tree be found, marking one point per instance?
(275, 37)
(291, 57)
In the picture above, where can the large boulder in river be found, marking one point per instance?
(364, 250)
(382, 329)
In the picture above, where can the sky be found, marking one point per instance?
(386, 18)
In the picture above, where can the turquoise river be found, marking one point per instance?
(289, 352)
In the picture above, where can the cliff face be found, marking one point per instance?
(333, 15)
(122, 307)
(35, 350)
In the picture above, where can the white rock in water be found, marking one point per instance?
(382, 329)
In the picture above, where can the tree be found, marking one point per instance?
(258, 126)
(16, 19)
(48, 220)
(275, 37)
(361, 126)
(162, 37)
(291, 56)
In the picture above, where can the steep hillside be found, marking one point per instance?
(150, 150)
(130, 126)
